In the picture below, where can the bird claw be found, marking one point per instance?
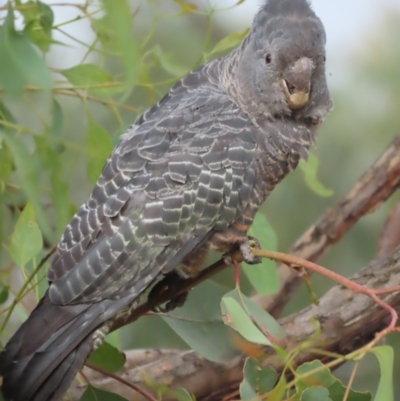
(248, 255)
(174, 303)
(245, 248)
(167, 285)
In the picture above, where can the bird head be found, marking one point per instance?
(281, 67)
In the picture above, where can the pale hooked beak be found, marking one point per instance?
(297, 98)
(297, 83)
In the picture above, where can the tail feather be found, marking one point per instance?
(43, 357)
(59, 380)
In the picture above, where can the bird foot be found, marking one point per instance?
(247, 254)
(167, 287)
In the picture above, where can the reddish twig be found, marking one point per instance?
(291, 260)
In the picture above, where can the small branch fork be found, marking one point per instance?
(370, 292)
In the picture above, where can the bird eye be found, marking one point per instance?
(268, 58)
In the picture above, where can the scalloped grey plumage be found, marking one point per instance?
(187, 176)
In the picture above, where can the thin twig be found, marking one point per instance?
(351, 379)
(370, 292)
(128, 383)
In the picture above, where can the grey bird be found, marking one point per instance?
(186, 177)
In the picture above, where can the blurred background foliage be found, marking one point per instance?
(61, 113)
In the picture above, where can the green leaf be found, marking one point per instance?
(315, 394)
(108, 358)
(20, 64)
(263, 276)
(5, 165)
(26, 240)
(250, 320)
(279, 390)
(113, 338)
(228, 42)
(86, 75)
(50, 160)
(385, 356)
(37, 11)
(257, 380)
(4, 292)
(310, 169)
(118, 17)
(186, 7)
(323, 377)
(337, 391)
(61, 202)
(48, 156)
(236, 317)
(6, 160)
(24, 163)
(167, 64)
(99, 147)
(95, 394)
(200, 325)
(38, 18)
(57, 123)
(182, 395)
(5, 114)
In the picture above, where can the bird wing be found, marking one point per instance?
(182, 172)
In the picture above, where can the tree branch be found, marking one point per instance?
(369, 192)
(189, 370)
(347, 322)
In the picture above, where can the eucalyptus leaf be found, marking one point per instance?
(236, 317)
(257, 380)
(228, 42)
(26, 240)
(310, 169)
(108, 357)
(100, 146)
(385, 356)
(315, 394)
(26, 171)
(200, 325)
(20, 63)
(118, 18)
(263, 276)
(186, 6)
(337, 391)
(321, 377)
(256, 318)
(184, 395)
(92, 78)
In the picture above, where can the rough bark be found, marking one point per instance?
(347, 320)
